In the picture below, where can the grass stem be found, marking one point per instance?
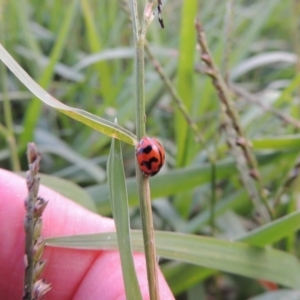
(33, 183)
(142, 180)
(230, 111)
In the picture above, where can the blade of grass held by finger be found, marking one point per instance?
(232, 257)
(119, 203)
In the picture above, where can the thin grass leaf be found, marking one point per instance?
(111, 54)
(273, 231)
(23, 18)
(118, 53)
(33, 111)
(95, 122)
(262, 236)
(277, 142)
(185, 76)
(232, 257)
(119, 203)
(95, 43)
(262, 60)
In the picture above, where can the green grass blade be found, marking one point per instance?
(117, 54)
(262, 236)
(232, 257)
(273, 231)
(277, 142)
(236, 258)
(97, 123)
(23, 18)
(33, 111)
(185, 75)
(95, 44)
(119, 203)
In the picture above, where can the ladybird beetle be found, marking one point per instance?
(150, 155)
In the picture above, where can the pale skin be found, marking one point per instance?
(74, 274)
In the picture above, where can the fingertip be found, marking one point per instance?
(61, 217)
(74, 274)
(105, 279)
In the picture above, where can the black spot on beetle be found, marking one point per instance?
(149, 162)
(146, 150)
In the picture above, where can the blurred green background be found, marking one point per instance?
(81, 52)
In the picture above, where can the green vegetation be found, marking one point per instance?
(229, 189)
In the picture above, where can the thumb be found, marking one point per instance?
(74, 274)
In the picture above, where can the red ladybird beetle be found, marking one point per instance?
(150, 155)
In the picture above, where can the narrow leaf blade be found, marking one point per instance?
(119, 203)
(232, 257)
(97, 123)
